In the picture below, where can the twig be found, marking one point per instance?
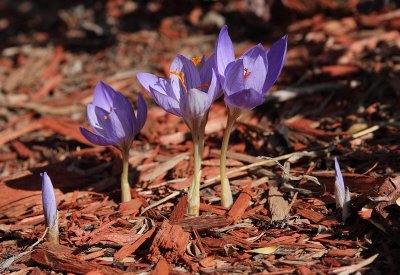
(269, 162)
(291, 93)
(309, 153)
(157, 203)
(8, 262)
(346, 270)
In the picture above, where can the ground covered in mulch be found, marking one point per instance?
(338, 95)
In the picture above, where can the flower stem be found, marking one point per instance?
(194, 190)
(226, 193)
(125, 188)
(52, 234)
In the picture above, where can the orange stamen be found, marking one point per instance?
(105, 117)
(246, 73)
(196, 60)
(204, 85)
(181, 77)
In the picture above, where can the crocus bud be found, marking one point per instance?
(49, 208)
(342, 194)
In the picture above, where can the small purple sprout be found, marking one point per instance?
(342, 194)
(192, 88)
(245, 82)
(50, 208)
(114, 122)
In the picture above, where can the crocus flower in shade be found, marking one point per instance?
(114, 122)
(342, 194)
(50, 208)
(244, 82)
(192, 88)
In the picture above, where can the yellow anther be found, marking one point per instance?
(181, 77)
(246, 73)
(196, 60)
(105, 117)
(204, 85)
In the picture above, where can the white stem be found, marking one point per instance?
(125, 188)
(53, 234)
(226, 192)
(198, 146)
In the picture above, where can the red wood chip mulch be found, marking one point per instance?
(338, 95)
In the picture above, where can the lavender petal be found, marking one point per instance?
(245, 99)
(276, 58)
(224, 51)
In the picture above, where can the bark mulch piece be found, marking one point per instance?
(336, 97)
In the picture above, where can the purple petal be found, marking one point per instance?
(93, 121)
(214, 90)
(124, 110)
(127, 123)
(169, 104)
(118, 127)
(194, 105)
(276, 58)
(48, 200)
(189, 75)
(113, 128)
(340, 191)
(251, 55)
(95, 139)
(245, 99)
(122, 103)
(141, 112)
(103, 96)
(256, 74)
(234, 77)
(224, 51)
(206, 70)
(158, 84)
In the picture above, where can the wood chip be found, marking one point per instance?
(171, 242)
(240, 205)
(128, 249)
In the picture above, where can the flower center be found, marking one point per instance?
(246, 73)
(105, 117)
(181, 77)
(196, 60)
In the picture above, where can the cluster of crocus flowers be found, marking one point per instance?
(114, 123)
(49, 209)
(342, 194)
(188, 93)
(244, 82)
(193, 85)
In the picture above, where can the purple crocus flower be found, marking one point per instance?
(112, 118)
(192, 88)
(246, 80)
(342, 194)
(113, 121)
(190, 91)
(49, 201)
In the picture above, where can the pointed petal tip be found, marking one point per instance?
(101, 84)
(224, 28)
(147, 80)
